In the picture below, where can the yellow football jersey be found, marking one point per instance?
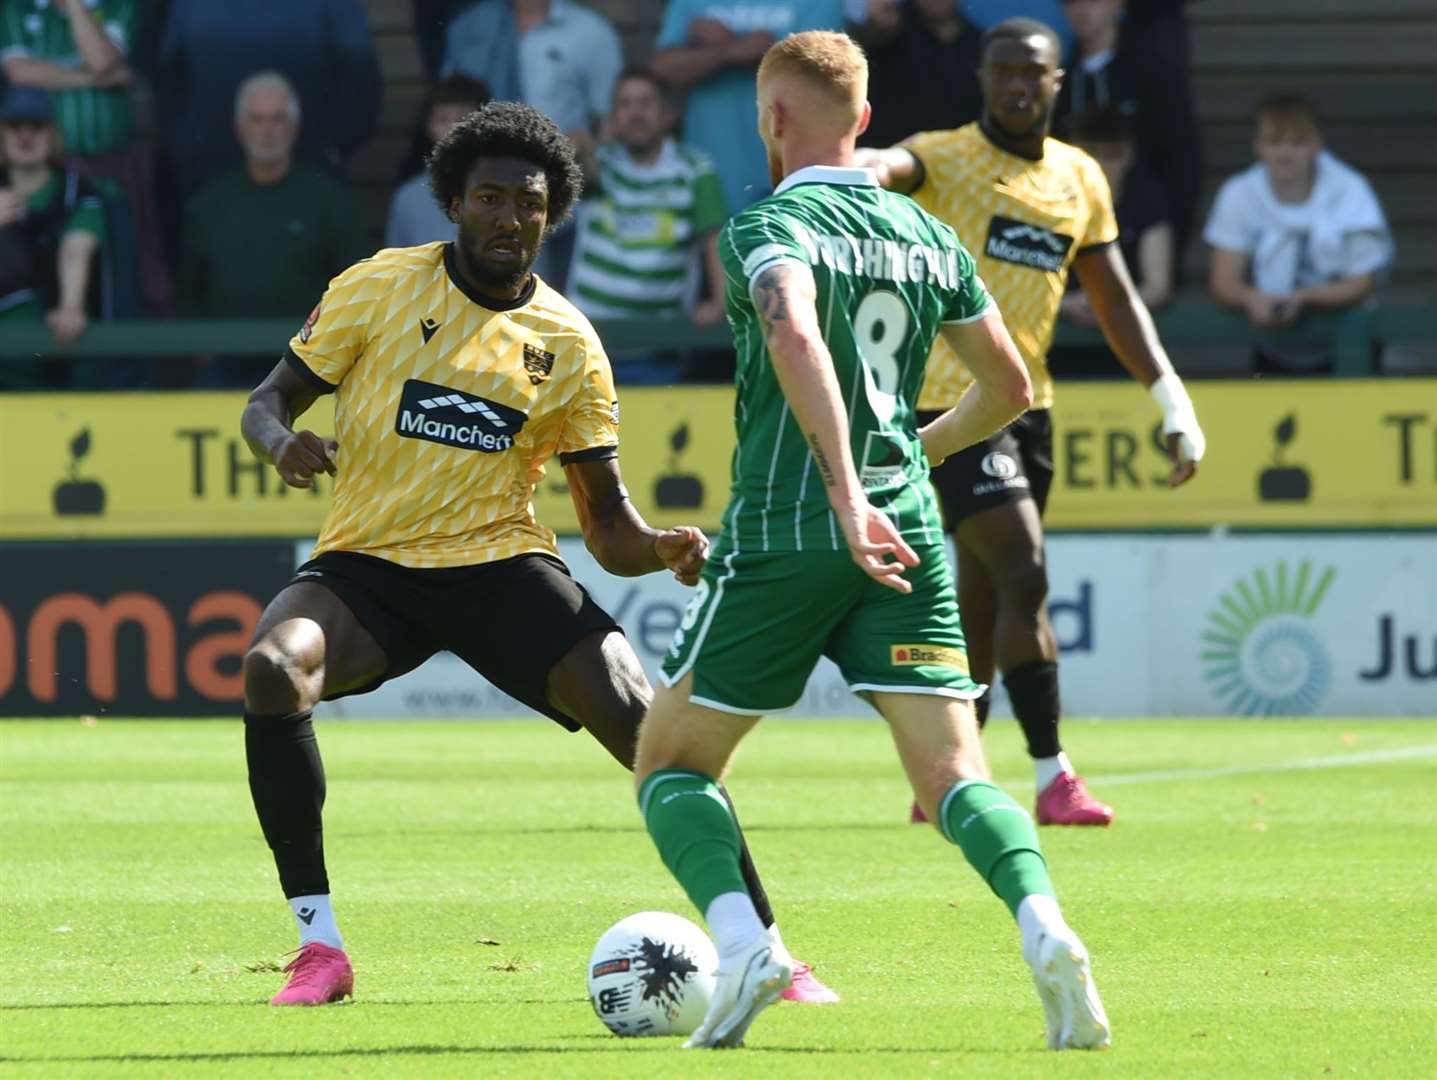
(1024, 221)
(447, 408)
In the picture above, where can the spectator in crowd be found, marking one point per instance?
(79, 50)
(52, 224)
(1109, 73)
(922, 68)
(1298, 230)
(647, 226)
(264, 240)
(431, 22)
(1160, 27)
(558, 56)
(1145, 234)
(710, 49)
(323, 47)
(414, 217)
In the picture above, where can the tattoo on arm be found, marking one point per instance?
(771, 294)
(824, 468)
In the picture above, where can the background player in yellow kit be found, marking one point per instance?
(458, 375)
(1029, 208)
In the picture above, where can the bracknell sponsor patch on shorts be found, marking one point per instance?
(928, 656)
(610, 967)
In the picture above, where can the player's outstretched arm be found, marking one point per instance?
(1134, 340)
(898, 168)
(616, 534)
(298, 456)
(1001, 389)
(784, 296)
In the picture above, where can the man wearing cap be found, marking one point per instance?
(52, 224)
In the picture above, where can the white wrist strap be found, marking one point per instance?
(1179, 416)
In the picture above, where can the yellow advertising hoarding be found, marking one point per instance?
(1281, 455)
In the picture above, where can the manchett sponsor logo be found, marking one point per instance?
(1260, 653)
(467, 421)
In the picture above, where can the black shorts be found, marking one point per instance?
(511, 620)
(1014, 464)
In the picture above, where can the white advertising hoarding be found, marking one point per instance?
(1294, 624)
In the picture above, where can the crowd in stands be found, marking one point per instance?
(239, 206)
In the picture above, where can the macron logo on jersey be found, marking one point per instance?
(1027, 245)
(443, 415)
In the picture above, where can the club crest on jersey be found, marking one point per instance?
(308, 327)
(537, 363)
(1026, 245)
(453, 418)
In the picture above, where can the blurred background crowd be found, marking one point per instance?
(199, 159)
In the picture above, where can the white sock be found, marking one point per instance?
(780, 950)
(1038, 915)
(733, 921)
(315, 920)
(1049, 769)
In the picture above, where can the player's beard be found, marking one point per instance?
(501, 277)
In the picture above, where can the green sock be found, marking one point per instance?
(997, 838)
(694, 830)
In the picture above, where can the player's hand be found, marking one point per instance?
(866, 157)
(1077, 308)
(684, 550)
(302, 456)
(1183, 471)
(66, 324)
(12, 206)
(872, 539)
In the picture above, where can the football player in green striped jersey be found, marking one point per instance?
(832, 541)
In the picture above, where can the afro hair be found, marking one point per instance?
(507, 129)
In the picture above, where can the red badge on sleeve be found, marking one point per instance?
(308, 327)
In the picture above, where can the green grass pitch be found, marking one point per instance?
(1249, 914)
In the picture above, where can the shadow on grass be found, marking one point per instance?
(264, 1002)
(605, 1044)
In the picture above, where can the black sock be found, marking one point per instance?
(981, 706)
(1033, 690)
(750, 872)
(286, 780)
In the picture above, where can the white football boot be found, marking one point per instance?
(745, 984)
(1071, 1006)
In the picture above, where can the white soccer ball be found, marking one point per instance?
(652, 974)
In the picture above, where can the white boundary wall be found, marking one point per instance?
(1150, 625)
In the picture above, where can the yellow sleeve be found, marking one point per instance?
(929, 148)
(591, 428)
(1102, 220)
(337, 330)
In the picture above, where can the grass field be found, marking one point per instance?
(1266, 905)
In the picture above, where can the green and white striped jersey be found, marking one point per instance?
(635, 245)
(888, 274)
(92, 121)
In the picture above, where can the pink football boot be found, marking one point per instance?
(1066, 802)
(318, 975)
(806, 987)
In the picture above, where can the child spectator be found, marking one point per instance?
(1298, 230)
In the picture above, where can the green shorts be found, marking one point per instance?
(759, 622)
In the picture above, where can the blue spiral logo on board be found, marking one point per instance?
(1260, 654)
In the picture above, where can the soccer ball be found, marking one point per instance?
(652, 974)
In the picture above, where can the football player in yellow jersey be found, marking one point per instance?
(1030, 208)
(458, 375)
